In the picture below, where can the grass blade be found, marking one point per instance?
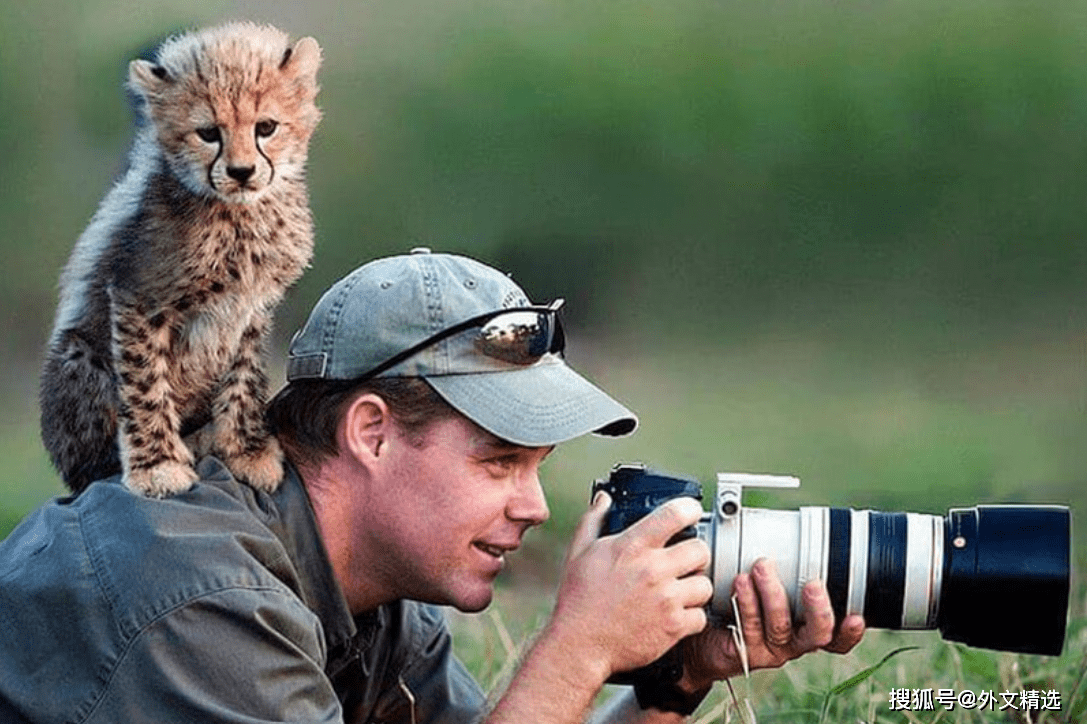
(857, 679)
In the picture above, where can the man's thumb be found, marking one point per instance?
(588, 528)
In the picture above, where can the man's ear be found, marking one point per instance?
(364, 428)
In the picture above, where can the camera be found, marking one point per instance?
(989, 576)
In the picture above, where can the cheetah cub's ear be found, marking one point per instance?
(147, 78)
(303, 60)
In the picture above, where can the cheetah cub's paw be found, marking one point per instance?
(262, 468)
(162, 480)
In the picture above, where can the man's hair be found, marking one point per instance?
(305, 413)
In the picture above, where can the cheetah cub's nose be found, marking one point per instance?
(240, 174)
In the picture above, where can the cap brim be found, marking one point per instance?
(536, 406)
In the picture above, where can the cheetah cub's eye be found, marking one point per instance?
(209, 134)
(266, 128)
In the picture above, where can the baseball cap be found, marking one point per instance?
(470, 332)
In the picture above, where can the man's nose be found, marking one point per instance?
(528, 504)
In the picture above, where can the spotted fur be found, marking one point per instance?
(166, 302)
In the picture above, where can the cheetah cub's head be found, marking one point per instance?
(232, 107)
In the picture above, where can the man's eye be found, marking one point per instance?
(209, 134)
(500, 465)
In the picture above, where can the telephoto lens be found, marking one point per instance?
(989, 576)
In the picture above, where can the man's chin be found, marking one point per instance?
(467, 595)
(474, 605)
(473, 601)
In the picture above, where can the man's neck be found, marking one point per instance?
(327, 484)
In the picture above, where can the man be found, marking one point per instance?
(423, 393)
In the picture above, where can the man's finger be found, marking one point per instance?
(666, 520)
(747, 600)
(777, 623)
(849, 635)
(693, 621)
(588, 528)
(694, 591)
(687, 557)
(818, 625)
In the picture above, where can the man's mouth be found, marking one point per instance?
(493, 550)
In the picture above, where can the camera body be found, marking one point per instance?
(990, 576)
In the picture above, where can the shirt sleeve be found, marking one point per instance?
(235, 656)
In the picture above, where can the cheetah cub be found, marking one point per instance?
(166, 301)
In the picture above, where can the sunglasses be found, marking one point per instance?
(518, 335)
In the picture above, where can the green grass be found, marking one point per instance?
(819, 689)
(824, 687)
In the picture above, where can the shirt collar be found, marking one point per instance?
(294, 523)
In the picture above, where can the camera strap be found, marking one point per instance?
(738, 637)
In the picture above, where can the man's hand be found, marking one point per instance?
(624, 600)
(768, 630)
(627, 598)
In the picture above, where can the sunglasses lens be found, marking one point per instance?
(520, 338)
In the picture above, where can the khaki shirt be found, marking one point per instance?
(215, 605)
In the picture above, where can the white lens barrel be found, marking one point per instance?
(891, 573)
(858, 561)
(924, 570)
(814, 552)
(739, 539)
(795, 540)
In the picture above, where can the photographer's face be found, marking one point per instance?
(448, 511)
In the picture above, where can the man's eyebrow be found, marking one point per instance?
(496, 444)
(499, 445)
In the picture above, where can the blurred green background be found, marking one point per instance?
(843, 240)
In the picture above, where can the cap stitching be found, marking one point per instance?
(328, 344)
(435, 311)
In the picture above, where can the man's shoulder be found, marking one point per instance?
(142, 556)
(212, 537)
(89, 584)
